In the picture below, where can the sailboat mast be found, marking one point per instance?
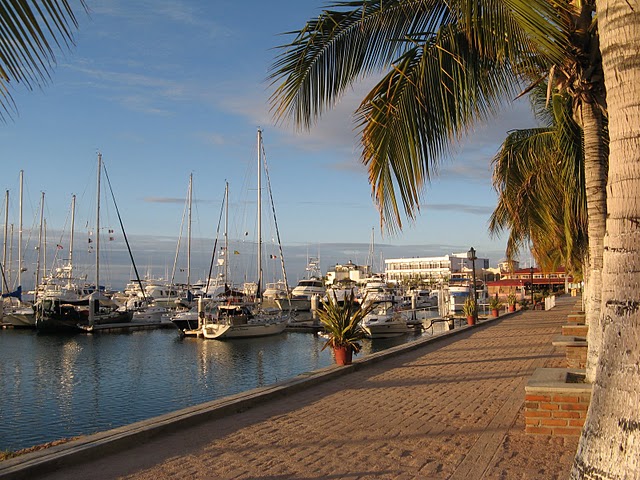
(98, 225)
(44, 252)
(259, 295)
(20, 233)
(9, 274)
(371, 250)
(190, 196)
(226, 234)
(73, 221)
(35, 290)
(6, 234)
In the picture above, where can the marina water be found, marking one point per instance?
(60, 386)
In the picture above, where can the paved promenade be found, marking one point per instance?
(450, 409)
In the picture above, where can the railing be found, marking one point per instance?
(549, 302)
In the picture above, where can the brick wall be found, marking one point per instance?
(576, 356)
(576, 318)
(553, 413)
(575, 330)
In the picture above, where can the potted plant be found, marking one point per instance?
(341, 322)
(511, 301)
(469, 309)
(495, 305)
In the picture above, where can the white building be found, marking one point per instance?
(508, 266)
(349, 272)
(433, 269)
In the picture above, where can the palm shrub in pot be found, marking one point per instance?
(470, 310)
(341, 322)
(511, 301)
(495, 305)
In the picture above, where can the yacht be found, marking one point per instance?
(306, 289)
(460, 288)
(275, 291)
(377, 290)
(419, 298)
(384, 321)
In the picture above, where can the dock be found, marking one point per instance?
(126, 327)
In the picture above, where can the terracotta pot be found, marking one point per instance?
(343, 355)
(512, 308)
(495, 312)
(471, 320)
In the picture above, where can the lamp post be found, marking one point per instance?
(471, 255)
(532, 304)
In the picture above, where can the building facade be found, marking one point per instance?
(348, 273)
(433, 270)
(520, 282)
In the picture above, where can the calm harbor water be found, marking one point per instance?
(56, 386)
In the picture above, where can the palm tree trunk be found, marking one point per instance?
(610, 442)
(595, 171)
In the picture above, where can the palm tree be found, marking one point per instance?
(450, 65)
(449, 68)
(539, 176)
(609, 446)
(580, 75)
(28, 29)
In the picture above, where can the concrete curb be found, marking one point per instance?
(91, 447)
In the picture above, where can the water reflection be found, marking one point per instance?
(57, 386)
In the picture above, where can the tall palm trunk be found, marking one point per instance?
(595, 170)
(610, 442)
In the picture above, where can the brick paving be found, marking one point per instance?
(452, 409)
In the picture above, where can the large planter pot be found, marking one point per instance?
(512, 308)
(471, 320)
(495, 312)
(343, 355)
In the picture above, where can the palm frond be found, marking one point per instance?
(451, 65)
(29, 29)
(353, 39)
(538, 175)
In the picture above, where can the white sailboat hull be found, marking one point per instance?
(385, 329)
(25, 318)
(222, 330)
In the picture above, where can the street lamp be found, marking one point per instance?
(471, 255)
(532, 304)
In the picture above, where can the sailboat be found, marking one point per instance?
(228, 320)
(56, 314)
(20, 314)
(189, 321)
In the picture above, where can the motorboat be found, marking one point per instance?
(149, 314)
(460, 288)
(303, 294)
(275, 291)
(384, 321)
(419, 298)
(187, 321)
(377, 290)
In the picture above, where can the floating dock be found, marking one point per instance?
(128, 326)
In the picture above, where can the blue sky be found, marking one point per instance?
(166, 88)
